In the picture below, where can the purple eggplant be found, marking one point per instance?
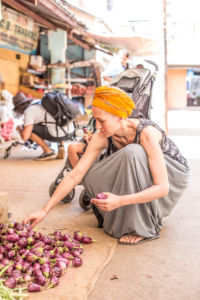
(11, 254)
(39, 244)
(50, 254)
(59, 250)
(56, 271)
(29, 270)
(10, 283)
(2, 249)
(12, 237)
(61, 265)
(17, 275)
(9, 270)
(66, 237)
(2, 226)
(36, 266)
(86, 240)
(34, 287)
(46, 270)
(19, 226)
(58, 233)
(75, 253)
(38, 251)
(5, 261)
(38, 235)
(76, 243)
(19, 265)
(22, 233)
(22, 242)
(21, 251)
(78, 236)
(10, 231)
(48, 248)
(31, 257)
(67, 255)
(80, 250)
(69, 245)
(19, 259)
(43, 260)
(37, 272)
(58, 243)
(30, 241)
(101, 196)
(9, 246)
(30, 233)
(46, 239)
(27, 277)
(77, 262)
(41, 280)
(54, 281)
(25, 266)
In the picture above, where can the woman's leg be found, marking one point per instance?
(127, 172)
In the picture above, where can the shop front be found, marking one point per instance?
(18, 40)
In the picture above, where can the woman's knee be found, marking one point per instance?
(134, 151)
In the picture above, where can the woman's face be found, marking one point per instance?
(107, 123)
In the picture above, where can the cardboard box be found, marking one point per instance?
(36, 61)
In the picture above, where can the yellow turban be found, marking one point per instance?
(114, 101)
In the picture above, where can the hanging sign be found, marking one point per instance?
(18, 32)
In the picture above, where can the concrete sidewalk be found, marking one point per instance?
(164, 269)
(168, 268)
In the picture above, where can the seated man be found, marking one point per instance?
(39, 126)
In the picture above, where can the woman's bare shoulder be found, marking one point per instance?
(150, 139)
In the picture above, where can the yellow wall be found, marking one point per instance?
(10, 68)
(176, 88)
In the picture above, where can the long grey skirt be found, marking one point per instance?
(127, 172)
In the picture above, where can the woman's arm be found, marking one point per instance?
(150, 140)
(96, 145)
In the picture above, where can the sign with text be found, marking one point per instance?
(18, 32)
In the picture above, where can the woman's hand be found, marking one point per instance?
(112, 202)
(35, 218)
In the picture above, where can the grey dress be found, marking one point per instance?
(126, 171)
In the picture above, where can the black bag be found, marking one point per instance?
(60, 107)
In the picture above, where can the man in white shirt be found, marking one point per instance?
(118, 65)
(39, 126)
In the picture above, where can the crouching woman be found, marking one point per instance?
(143, 173)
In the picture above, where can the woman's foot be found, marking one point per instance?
(131, 239)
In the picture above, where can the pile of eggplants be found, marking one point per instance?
(36, 260)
